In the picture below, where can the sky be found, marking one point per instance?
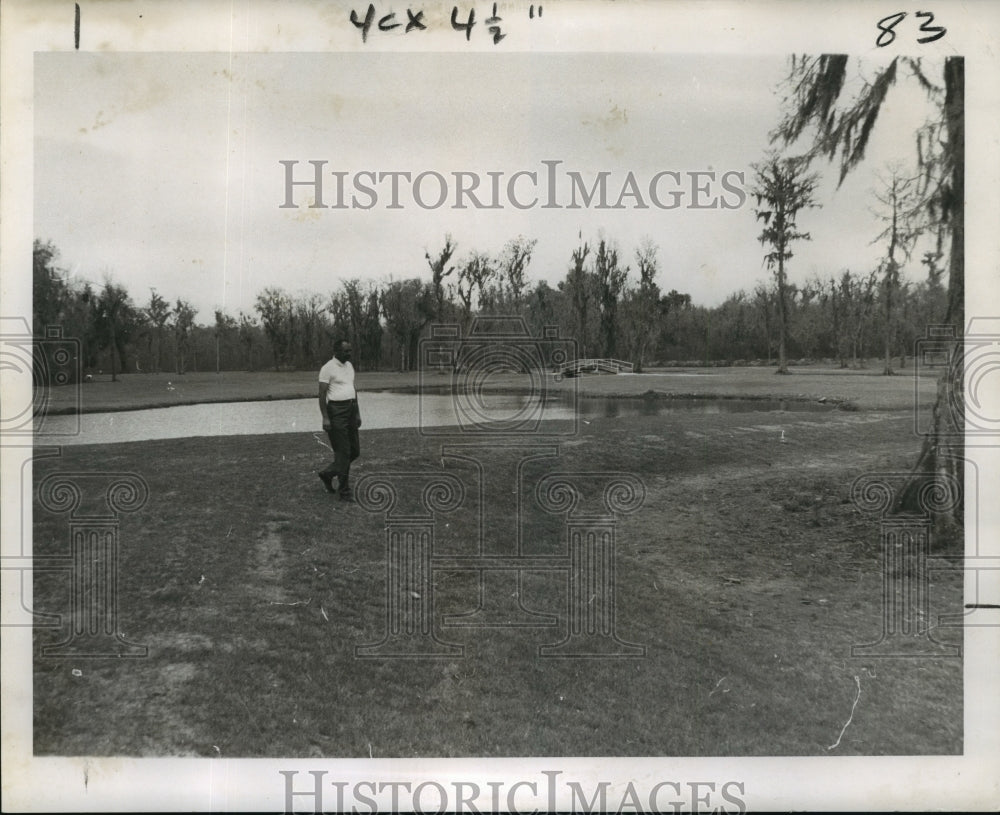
(162, 170)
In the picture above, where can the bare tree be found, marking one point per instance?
(900, 209)
(439, 271)
(648, 308)
(474, 276)
(512, 265)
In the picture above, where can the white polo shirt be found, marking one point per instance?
(339, 380)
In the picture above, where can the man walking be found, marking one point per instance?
(338, 404)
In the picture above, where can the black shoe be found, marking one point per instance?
(327, 482)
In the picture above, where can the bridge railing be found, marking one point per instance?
(595, 365)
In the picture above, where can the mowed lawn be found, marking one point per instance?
(747, 575)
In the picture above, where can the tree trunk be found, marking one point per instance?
(887, 366)
(782, 317)
(942, 455)
(114, 353)
(887, 350)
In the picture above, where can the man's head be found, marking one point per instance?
(342, 350)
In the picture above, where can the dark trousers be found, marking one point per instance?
(344, 441)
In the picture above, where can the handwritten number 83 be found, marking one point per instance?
(887, 26)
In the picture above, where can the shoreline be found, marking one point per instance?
(863, 390)
(839, 403)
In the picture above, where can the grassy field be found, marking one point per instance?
(747, 575)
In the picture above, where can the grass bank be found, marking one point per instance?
(747, 576)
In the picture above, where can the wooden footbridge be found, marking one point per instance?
(595, 366)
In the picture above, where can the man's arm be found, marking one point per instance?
(357, 406)
(322, 405)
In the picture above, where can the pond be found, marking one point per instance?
(379, 410)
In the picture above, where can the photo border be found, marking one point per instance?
(30, 783)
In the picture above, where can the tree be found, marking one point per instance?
(763, 300)
(783, 188)
(113, 318)
(679, 305)
(157, 313)
(543, 305)
(50, 293)
(371, 333)
(309, 315)
(248, 335)
(275, 310)
(512, 265)
(899, 208)
(78, 321)
(56, 302)
(936, 297)
(408, 306)
(474, 275)
(648, 309)
(183, 321)
(224, 326)
(610, 279)
(862, 299)
(730, 327)
(578, 287)
(834, 297)
(808, 319)
(439, 271)
(816, 84)
(356, 315)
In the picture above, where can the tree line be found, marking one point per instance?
(611, 307)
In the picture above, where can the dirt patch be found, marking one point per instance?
(270, 564)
